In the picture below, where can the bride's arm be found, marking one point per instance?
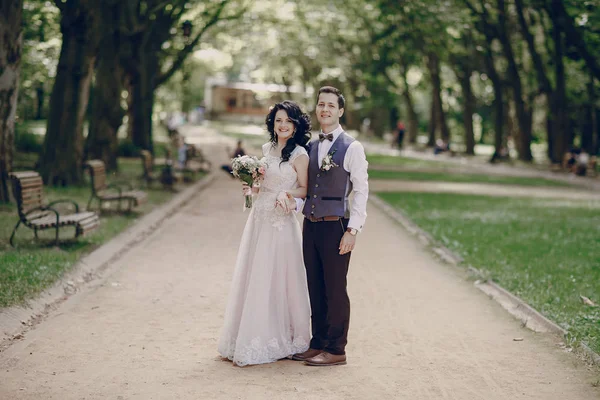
(300, 164)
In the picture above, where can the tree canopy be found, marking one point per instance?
(463, 71)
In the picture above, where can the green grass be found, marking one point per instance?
(407, 162)
(545, 251)
(464, 178)
(35, 265)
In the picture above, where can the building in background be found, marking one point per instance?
(246, 102)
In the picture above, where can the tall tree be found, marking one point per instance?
(464, 72)
(559, 99)
(413, 119)
(107, 113)
(485, 25)
(61, 158)
(523, 110)
(150, 64)
(433, 64)
(562, 19)
(589, 120)
(11, 12)
(545, 86)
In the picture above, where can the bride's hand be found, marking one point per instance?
(248, 191)
(285, 201)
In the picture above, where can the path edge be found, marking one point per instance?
(92, 268)
(529, 316)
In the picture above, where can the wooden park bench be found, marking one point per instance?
(167, 176)
(188, 170)
(195, 155)
(105, 192)
(27, 189)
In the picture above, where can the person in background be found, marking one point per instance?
(181, 151)
(441, 147)
(237, 152)
(581, 164)
(400, 129)
(570, 159)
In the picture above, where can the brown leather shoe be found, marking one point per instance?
(307, 354)
(326, 359)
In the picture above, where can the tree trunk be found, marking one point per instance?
(62, 154)
(413, 119)
(434, 70)
(542, 77)
(523, 111)
(587, 133)
(129, 111)
(39, 91)
(468, 108)
(107, 113)
(596, 132)
(432, 122)
(498, 104)
(558, 109)
(142, 107)
(142, 68)
(11, 40)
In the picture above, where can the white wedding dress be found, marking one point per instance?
(268, 311)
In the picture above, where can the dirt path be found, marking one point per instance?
(488, 189)
(419, 330)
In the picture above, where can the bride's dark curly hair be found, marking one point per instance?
(301, 123)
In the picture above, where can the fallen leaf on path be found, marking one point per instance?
(587, 301)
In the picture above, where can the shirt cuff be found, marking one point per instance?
(299, 204)
(355, 224)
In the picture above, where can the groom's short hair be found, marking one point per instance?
(336, 91)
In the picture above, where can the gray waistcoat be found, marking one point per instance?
(327, 195)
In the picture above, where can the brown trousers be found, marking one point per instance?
(326, 272)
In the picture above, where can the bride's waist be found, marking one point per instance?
(272, 191)
(269, 190)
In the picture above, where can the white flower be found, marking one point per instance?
(327, 162)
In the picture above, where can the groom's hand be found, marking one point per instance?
(347, 243)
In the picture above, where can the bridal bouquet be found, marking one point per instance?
(248, 169)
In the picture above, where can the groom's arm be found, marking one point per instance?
(357, 165)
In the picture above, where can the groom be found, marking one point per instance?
(337, 167)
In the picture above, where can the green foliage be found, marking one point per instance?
(28, 142)
(544, 251)
(128, 149)
(41, 49)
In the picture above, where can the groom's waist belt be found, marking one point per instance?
(328, 218)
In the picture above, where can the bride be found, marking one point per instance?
(268, 311)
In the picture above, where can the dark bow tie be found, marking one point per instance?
(322, 137)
